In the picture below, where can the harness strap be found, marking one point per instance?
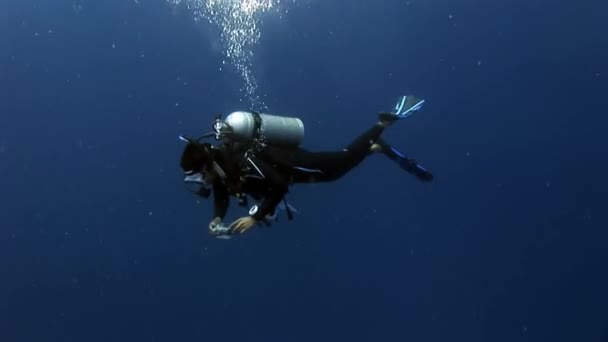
(255, 146)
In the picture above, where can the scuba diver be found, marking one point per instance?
(259, 157)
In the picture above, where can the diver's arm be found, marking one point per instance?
(221, 199)
(270, 202)
(277, 188)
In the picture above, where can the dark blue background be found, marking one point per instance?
(100, 242)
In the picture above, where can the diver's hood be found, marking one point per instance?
(196, 178)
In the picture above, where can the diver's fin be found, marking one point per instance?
(405, 107)
(408, 164)
(411, 166)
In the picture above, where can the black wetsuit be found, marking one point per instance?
(267, 174)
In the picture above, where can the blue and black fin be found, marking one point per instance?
(405, 107)
(408, 164)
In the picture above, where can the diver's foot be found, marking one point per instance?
(387, 119)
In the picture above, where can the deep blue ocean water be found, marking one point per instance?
(99, 241)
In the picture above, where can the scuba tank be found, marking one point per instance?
(263, 128)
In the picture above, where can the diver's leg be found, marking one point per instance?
(330, 166)
(359, 147)
(354, 153)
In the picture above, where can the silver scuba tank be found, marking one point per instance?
(272, 129)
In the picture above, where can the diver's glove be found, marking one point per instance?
(219, 229)
(242, 224)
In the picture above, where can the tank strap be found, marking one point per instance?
(255, 146)
(259, 138)
(257, 121)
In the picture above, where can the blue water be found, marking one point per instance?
(99, 241)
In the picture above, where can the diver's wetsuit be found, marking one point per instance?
(304, 166)
(268, 173)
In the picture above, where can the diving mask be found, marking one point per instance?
(195, 177)
(195, 182)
